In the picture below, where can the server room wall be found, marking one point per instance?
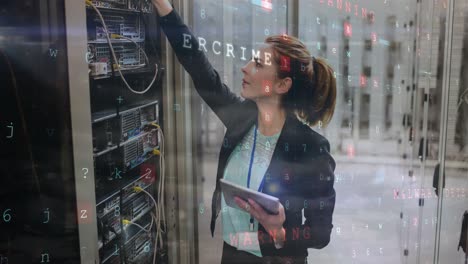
(109, 155)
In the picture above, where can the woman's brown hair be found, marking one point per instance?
(312, 96)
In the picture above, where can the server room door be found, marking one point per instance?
(419, 199)
(434, 208)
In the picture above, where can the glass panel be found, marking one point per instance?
(37, 189)
(420, 215)
(454, 196)
(369, 44)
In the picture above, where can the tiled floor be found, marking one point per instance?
(367, 224)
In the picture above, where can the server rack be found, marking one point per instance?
(126, 138)
(124, 221)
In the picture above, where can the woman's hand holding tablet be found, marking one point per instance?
(267, 209)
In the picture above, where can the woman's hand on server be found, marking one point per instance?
(163, 7)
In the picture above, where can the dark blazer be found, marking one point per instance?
(301, 171)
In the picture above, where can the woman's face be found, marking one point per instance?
(260, 75)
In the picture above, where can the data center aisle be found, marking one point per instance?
(366, 230)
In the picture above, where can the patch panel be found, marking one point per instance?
(127, 54)
(144, 6)
(110, 3)
(125, 24)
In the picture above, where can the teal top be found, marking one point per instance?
(236, 223)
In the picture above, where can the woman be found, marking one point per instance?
(266, 147)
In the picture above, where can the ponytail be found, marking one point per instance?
(320, 105)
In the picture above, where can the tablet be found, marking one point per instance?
(269, 203)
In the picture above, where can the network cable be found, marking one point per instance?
(129, 222)
(159, 207)
(139, 189)
(162, 162)
(155, 243)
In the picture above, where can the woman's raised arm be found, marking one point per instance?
(206, 79)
